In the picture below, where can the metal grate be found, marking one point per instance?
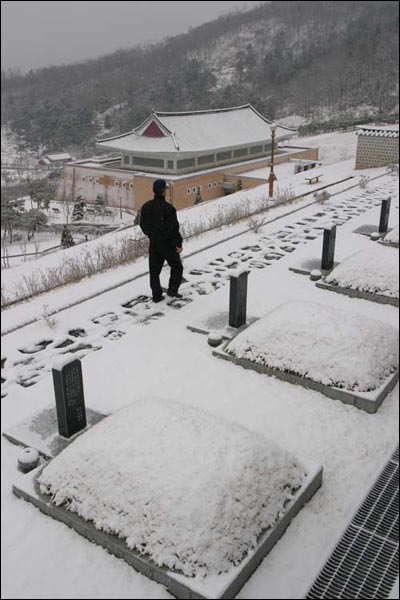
(364, 564)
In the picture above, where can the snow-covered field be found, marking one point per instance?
(146, 351)
(21, 250)
(375, 271)
(328, 345)
(333, 147)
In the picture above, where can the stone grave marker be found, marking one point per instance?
(328, 250)
(238, 299)
(385, 212)
(70, 402)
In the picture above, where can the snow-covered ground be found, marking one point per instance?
(147, 351)
(21, 250)
(333, 147)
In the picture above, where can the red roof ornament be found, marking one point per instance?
(153, 131)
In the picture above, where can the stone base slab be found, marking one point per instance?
(41, 432)
(369, 401)
(358, 294)
(219, 322)
(368, 230)
(389, 244)
(307, 266)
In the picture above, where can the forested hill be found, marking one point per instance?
(313, 59)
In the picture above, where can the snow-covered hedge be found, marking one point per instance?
(375, 271)
(188, 489)
(331, 346)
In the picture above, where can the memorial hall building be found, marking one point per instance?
(201, 154)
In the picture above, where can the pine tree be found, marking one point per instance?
(77, 213)
(66, 238)
(99, 203)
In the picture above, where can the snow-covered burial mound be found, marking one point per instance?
(375, 271)
(188, 489)
(328, 345)
(393, 236)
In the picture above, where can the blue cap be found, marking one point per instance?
(159, 185)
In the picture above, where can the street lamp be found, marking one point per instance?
(272, 176)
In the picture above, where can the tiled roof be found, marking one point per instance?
(390, 131)
(200, 131)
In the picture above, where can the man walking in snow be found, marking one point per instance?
(159, 222)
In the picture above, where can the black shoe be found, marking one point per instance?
(159, 299)
(175, 295)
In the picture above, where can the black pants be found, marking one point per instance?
(158, 254)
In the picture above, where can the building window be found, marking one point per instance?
(206, 160)
(171, 165)
(215, 184)
(126, 160)
(90, 179)
(256, 150)
(240, 152)
(83, 177)
(219, 183)
(194, 190)
(124, 184)
(97, 180)
(224, 155)
(148, 162)
(131, 186)
(186, 163)
(189, 191)
(116, 183)
(210, 186)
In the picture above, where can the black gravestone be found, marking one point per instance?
(385, 212)
(328, 250)
(70, 402)
(238, 300)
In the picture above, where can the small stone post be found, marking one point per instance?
(328, 251)
(385, 212)
(238, 300)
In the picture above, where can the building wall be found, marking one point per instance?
(251, 182)
(117, 187)
(211, 182)
(193, 162)
(247, 182)
(303, 153)
(376, 151)
(131, 190)
(179, 193)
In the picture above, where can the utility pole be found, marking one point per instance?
(272, 176)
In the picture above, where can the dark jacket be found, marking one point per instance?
(159, 222)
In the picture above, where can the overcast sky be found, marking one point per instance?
(38, 34)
